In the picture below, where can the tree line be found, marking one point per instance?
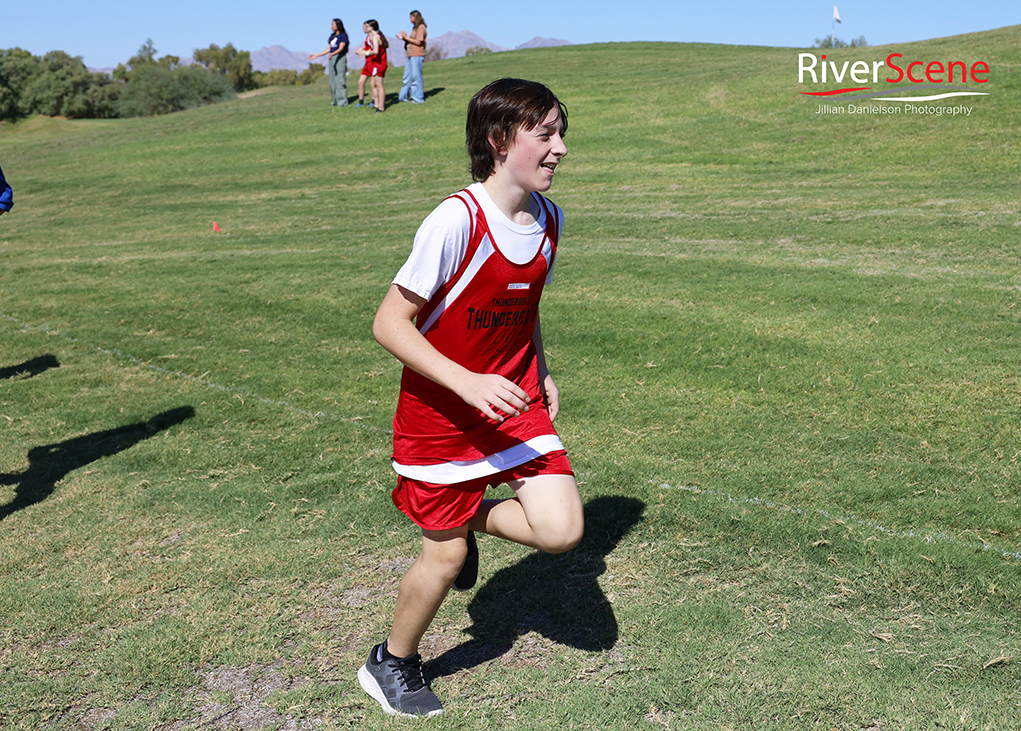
(831, 42)
(58, 84)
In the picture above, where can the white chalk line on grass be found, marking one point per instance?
(908, 534)
(242, 393)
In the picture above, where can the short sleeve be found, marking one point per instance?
(440, 244)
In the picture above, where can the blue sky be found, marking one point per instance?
(110, 31)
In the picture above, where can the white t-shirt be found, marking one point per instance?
(442, 241)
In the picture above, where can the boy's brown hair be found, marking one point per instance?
(496, 112)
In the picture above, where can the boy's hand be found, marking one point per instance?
(551, 394)
(493, 395)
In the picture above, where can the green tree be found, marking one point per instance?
(315, 72)
(17, 67)
(145, 57)
(833, 42)
(240, 72)
(159, 89)
(98, 101)
(477, 51)
(434, 52)
(234, 65)
(276, 77)
(62, 86)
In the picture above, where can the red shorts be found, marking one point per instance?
(374, 69)
(442, 507)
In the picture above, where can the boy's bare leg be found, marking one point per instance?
(547, 514)
(424, 587)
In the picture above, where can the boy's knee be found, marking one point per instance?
(449, 571)
(564, 539)
(445, 559)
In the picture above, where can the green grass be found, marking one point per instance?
(786, 343)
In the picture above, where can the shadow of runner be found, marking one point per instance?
(48, 465)
(30, 367)
(557, 596)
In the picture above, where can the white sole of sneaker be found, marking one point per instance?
(370, 686)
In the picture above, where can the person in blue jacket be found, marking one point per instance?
(336, 63)
(6, 195)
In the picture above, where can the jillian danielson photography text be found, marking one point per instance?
(880, 109)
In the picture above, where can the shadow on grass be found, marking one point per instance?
(30, 367)
(557, 596)
(48, 465)
(390, 99)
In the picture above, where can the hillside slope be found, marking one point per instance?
(786, 344)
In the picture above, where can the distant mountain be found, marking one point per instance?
(455, 44)
(278, 57)
(538, 42)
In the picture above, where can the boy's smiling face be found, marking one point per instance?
(531, 157)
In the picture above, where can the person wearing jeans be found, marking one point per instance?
(414, 47)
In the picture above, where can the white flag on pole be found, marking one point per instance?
(836, 15)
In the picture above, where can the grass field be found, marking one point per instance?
(787, 344)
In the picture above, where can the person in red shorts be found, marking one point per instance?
(374, 53)
(477, 402)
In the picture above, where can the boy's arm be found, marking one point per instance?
(394, 329)
(549, 389)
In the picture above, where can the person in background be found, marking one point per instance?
(374, 53)
(336, 64)
(6, 195)
(414, 47)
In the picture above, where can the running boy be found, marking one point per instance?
(477, 401)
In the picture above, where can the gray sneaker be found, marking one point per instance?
(398, 685)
